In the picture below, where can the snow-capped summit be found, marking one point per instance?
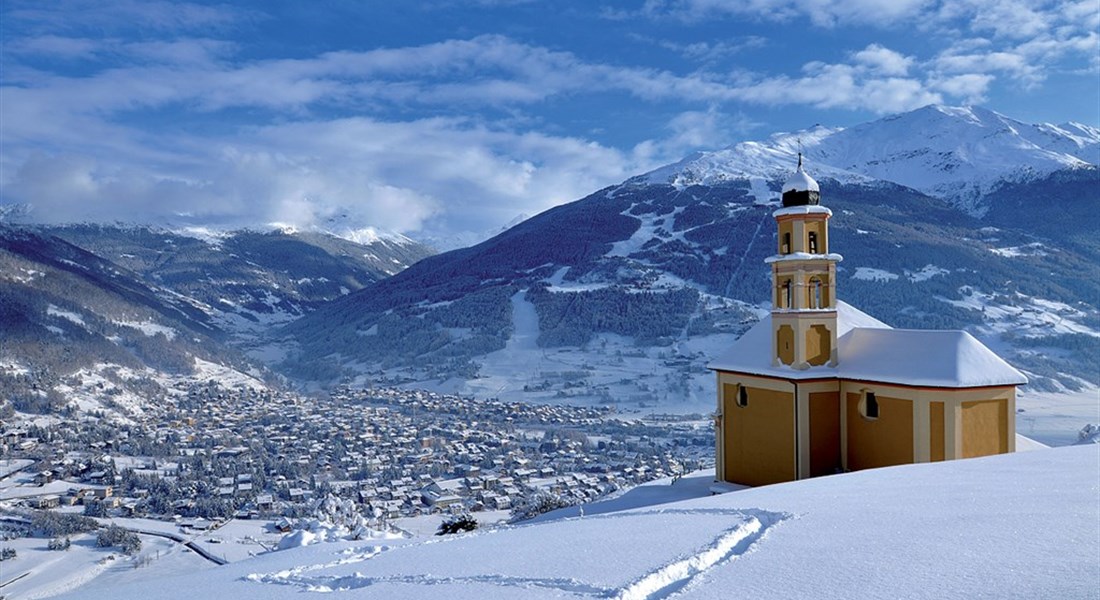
(770, 159)
(959, 154)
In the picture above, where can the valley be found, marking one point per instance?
(243, 389)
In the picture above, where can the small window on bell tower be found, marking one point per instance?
(813, 242)
(786, 243)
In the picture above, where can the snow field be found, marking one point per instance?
(1028, 316)
(503, 373)
(606, 559)
(73, 317)
(92, 570)
(150, 328)
(1023, 525)
(1055, 418)
(871, 274)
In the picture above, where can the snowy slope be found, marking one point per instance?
(78, 331)
(955, 153)
(1014, 526)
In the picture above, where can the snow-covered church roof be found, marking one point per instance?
(870, 350)
(923, 357)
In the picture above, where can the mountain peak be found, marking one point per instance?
(957, 153)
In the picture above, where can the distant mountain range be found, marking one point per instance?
(247, 280)
(130, 313)
(947, 218)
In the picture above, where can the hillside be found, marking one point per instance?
(1023, 525)
(110, 319)
(248, 280)
(83, 334)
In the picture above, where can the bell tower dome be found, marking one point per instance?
(801, 189)
(803, 278)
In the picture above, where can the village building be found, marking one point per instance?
(818, 387)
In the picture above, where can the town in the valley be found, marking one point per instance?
(213, 456)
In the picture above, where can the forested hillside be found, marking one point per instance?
(662, 264)
(71, 319)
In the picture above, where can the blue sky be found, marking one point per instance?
(446, 116)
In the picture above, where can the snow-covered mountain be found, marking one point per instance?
(248, 280)
(109, 319)
(80, 334)
(622, 296)
(959, 154)
(1022, 525)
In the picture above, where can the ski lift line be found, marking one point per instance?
(748, 249)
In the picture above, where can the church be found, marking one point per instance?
(818, 387)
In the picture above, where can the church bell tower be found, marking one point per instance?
(803, 278)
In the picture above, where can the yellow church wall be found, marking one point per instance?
(824, 433)
(885, 441)
(818, 228)
(784, 344)
(984, 428)
(799, 227)
(729, 378)
(800, 274)
(938, 427)
(757, 444)
(759, 439)
(936, 431)
(818, 345)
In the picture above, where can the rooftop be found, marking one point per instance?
(871, 350)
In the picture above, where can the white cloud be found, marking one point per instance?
(701, 130)
(395, 175)
(883, 60)
(1017, 39)
(114, 15)
(293, 166)
(971, 87)
(843, 86)
(1011, 63)
(1016, 19)
(708, 52)
(824, 13)
(54, 46)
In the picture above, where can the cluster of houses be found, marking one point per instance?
(396, 453)
(103, 496)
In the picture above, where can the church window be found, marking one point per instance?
(815, 293)
(786, 243)
(868, 406)
(813, 242)
(786, 300)
(742, 396)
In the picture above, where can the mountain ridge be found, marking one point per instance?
(946, 152)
